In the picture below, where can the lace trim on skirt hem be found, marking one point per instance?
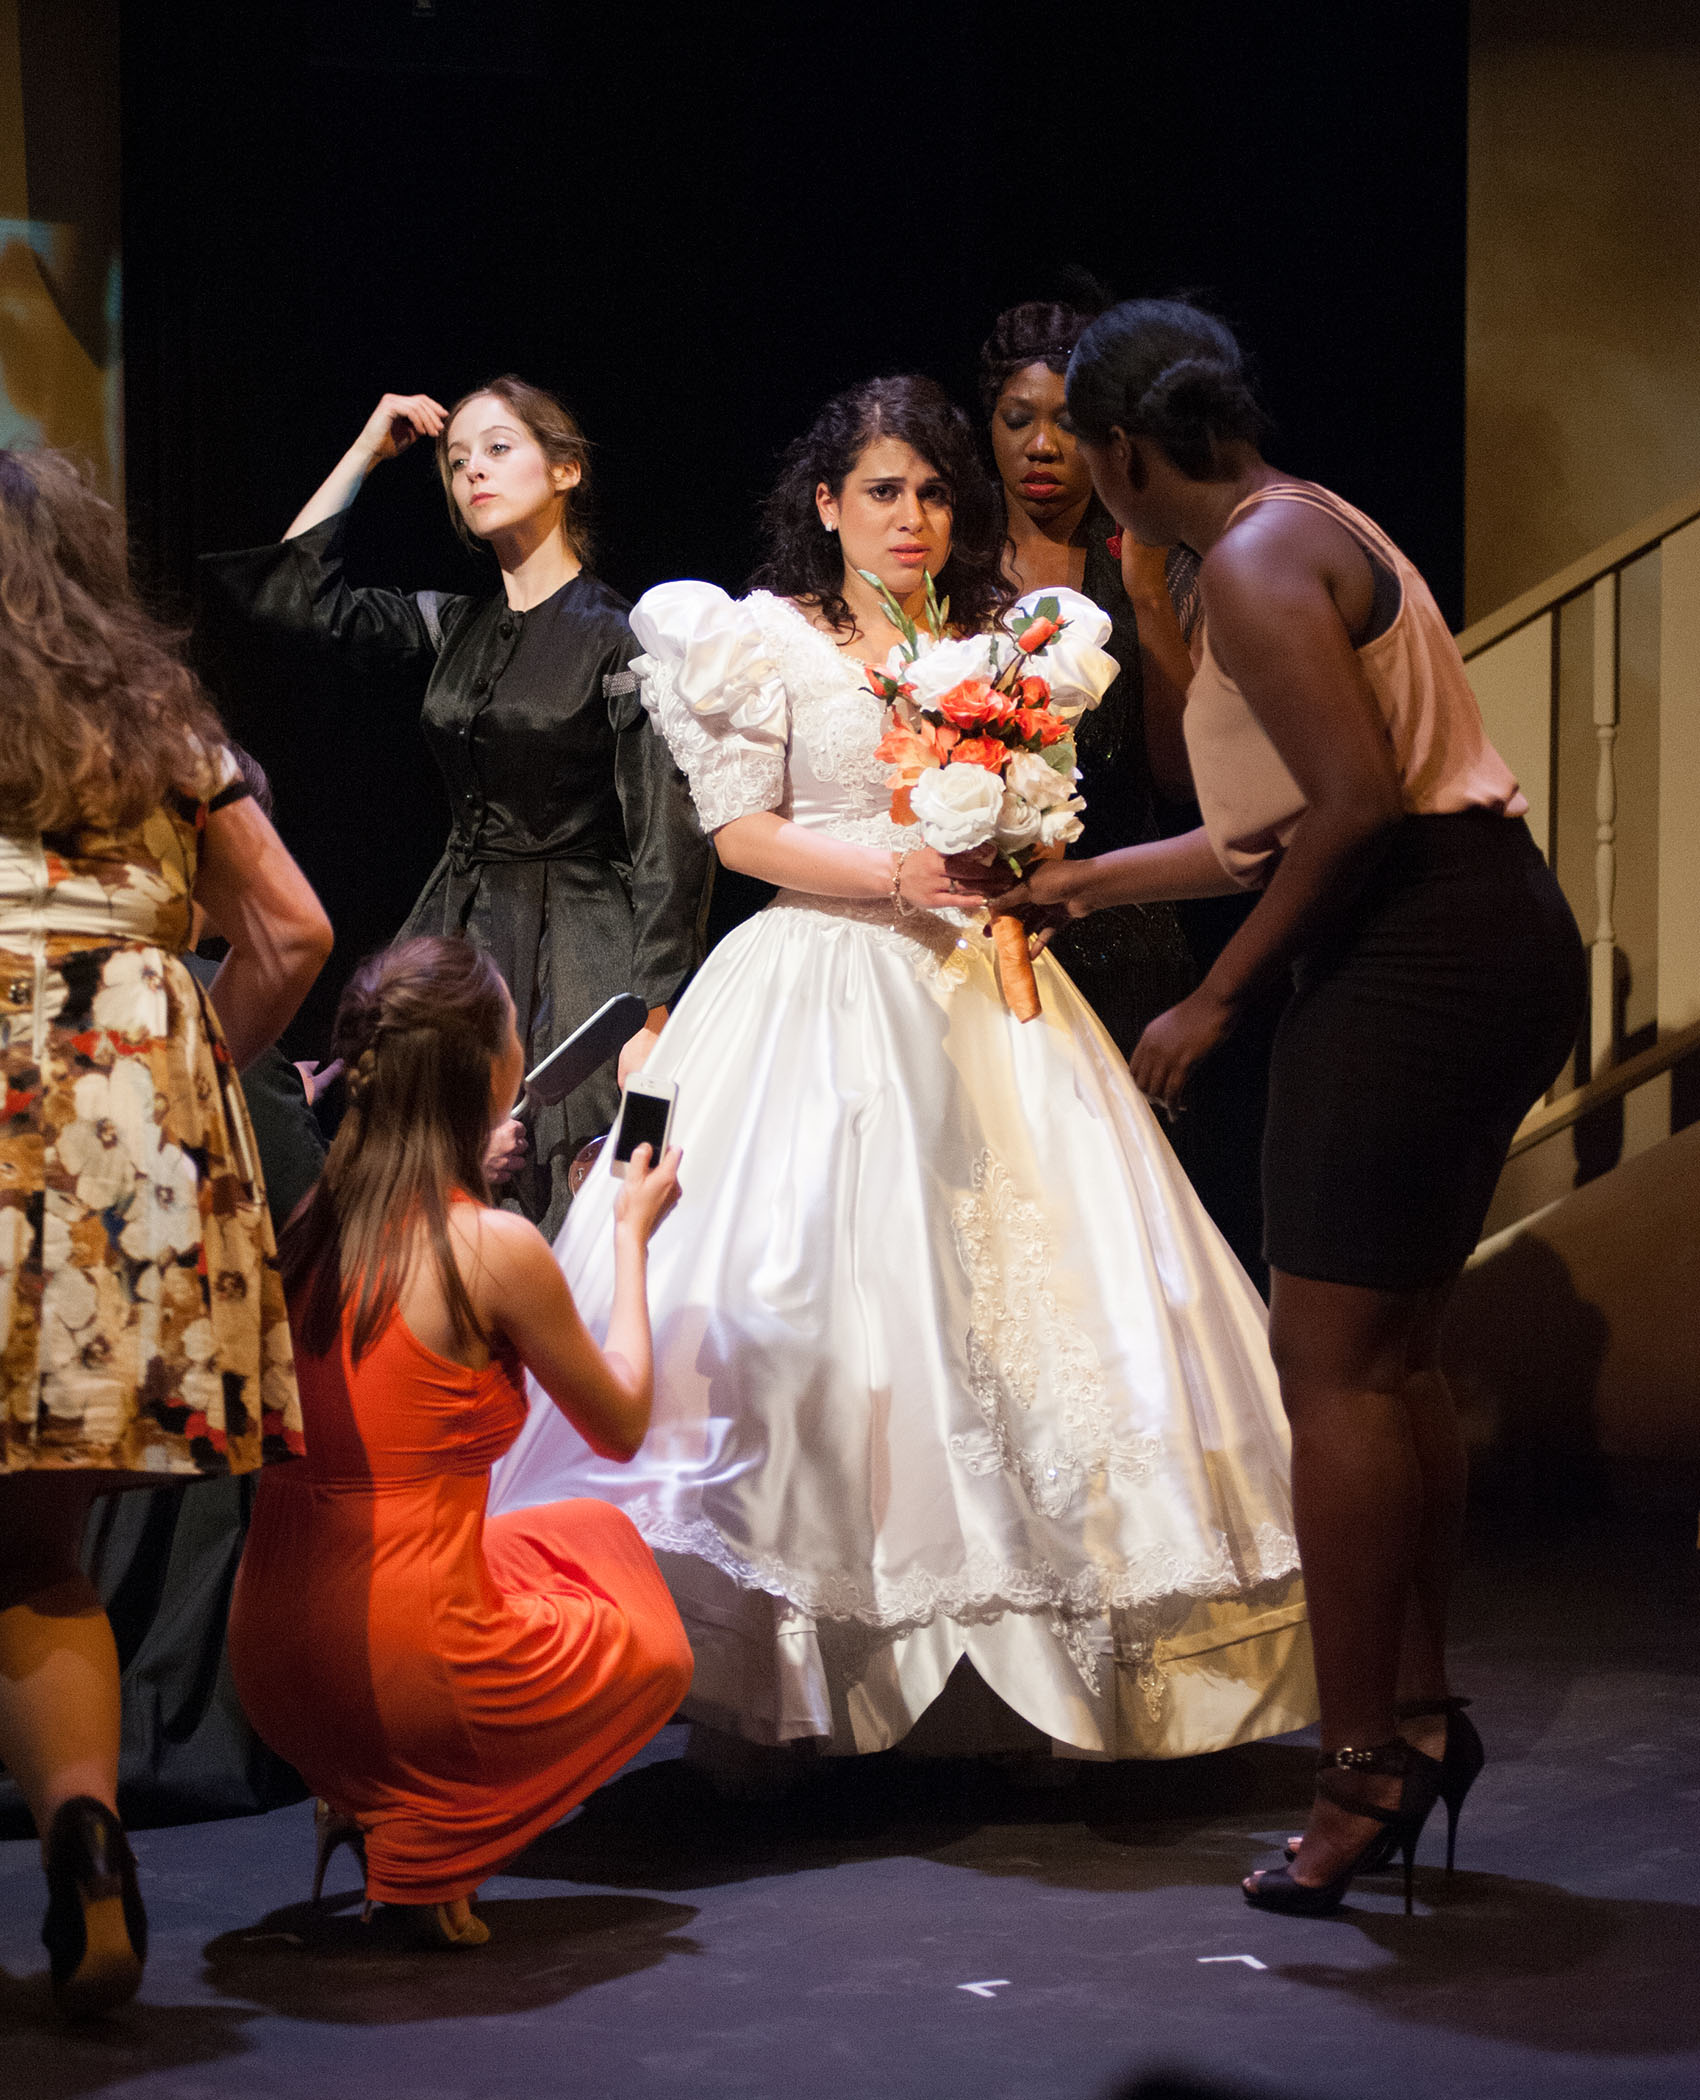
(985, 1589)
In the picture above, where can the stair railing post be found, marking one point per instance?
(1603, 1027)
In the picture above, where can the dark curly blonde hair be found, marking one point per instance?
(104, 719)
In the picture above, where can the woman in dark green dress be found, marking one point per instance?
(574, 856)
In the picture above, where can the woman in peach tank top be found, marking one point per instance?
(1342, 769)
(448, 1687)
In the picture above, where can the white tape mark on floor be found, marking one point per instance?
(985, 1990)
(1251, 1961)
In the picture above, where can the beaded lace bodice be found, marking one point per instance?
(790, 726)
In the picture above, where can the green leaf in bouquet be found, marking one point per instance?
(1021, 622)
(935, 613)
(1060, 756)
(895, 613)
(1048, 609)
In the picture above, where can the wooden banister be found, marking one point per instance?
(1581, 575)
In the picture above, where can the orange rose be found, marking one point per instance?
(1038, 725)
(969, 704)
(902, 747)
(981, 751)
(1036, 635)
(1035, 692)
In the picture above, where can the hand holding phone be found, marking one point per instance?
(650, 1192)
(646, 1118)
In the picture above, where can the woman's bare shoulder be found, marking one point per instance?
(498, 1251)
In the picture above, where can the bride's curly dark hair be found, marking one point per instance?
(802, 560)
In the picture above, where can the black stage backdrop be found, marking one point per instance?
(695, 227)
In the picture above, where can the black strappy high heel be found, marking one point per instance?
(1419, 1776)
(1460, 1766)
(95, 1931)
(1460, 1762)
(331, 1829)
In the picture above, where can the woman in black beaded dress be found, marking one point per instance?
(1132, 962)
(574, 856)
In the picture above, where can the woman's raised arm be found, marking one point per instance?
(517, 1287)
(391, 427)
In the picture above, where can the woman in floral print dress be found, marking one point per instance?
(142, 1327)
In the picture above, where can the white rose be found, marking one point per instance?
(1061, 827)
(945, 664)
(957, 807)
(1028, 776)
(1018, 823)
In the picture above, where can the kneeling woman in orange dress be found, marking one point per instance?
(449, 1688)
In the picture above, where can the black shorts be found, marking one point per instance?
(1421, 1031)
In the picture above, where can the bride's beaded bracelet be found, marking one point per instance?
(900, 903)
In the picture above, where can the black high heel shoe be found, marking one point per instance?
(95, 1931)
(331, 1829)
(1460, 1762)
(1460, 1766)
(1419, 1776)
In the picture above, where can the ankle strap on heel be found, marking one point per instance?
(1392, 1759)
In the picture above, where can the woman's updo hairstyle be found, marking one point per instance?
(1165, 370)
(559, 438)
(419, 1028)
(802, 560)
(1038, 332)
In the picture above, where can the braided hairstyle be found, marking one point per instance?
(1038, 332)
(1168, 371)
(802, 560)
(419, 1026)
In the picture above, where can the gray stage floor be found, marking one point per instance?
(660, 1943)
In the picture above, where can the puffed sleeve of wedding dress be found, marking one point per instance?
(714, 692)
(1080, 669)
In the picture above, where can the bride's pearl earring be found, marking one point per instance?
(830, 528)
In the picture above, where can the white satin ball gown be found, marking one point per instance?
(950, 1362)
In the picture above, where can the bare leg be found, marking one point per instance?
(1344, 1357)
(58, 1660)
(1445, 1471)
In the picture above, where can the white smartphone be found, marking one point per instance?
(646, 1118)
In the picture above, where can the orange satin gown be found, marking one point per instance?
(454, 1685)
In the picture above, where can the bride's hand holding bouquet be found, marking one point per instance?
(980, 737)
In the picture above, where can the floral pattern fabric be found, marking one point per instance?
(142, 1324)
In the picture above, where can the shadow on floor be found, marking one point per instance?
(323, 1964)
(1530, 1964)
(49, 2060)
(663, 1826)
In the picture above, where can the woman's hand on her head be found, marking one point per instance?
(1164, 1057)
(648, 1192)
(505, 1153)
(396, 421)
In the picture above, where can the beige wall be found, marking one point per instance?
(1584, 280)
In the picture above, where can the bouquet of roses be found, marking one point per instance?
(981, 742)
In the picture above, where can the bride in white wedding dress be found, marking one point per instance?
(951, 1367)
